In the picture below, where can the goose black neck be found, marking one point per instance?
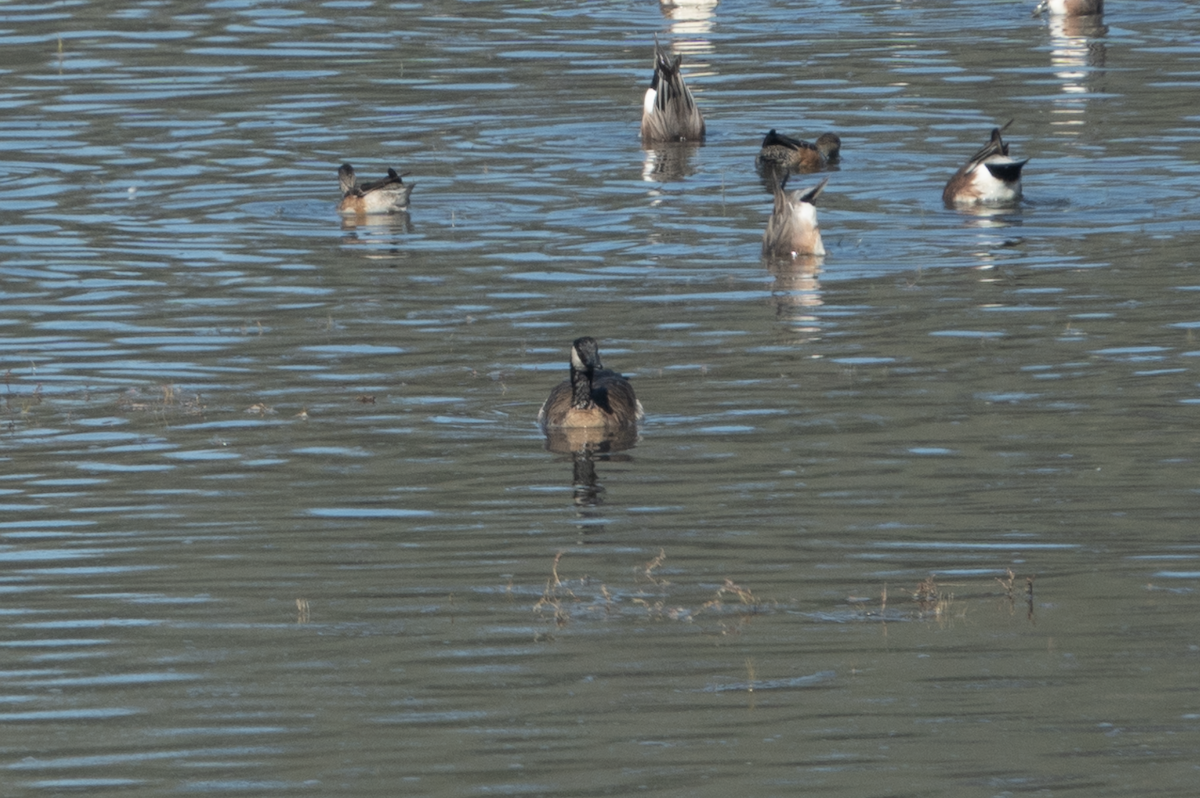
(581, 388)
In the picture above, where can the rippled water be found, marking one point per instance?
(274, 514)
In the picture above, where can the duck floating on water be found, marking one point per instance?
(669, 111)
(792, 229)
(388, 195)
(991, 177)
(1070, 8)
(784, 152)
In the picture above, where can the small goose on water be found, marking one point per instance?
(592, 396)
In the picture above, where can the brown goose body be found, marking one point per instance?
(592, 397)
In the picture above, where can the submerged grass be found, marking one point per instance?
(22, 405)
(564, 599)
(651, 595)
(935, 601)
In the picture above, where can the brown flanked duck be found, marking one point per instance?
(1070, 8)
(991, 177)
(592, 397)
(784, 152)
(792, 229)
(669, 111)
(388, 195)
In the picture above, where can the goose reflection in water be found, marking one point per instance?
(586, 447)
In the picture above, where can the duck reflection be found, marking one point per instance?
(373, 224)
(691, 21)
(1082, 28)
(378, 236)
(665, 162)
(984, 216)
(796, 292)
(997, 234)
(1078, 59)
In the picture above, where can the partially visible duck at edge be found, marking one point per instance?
(784, 152)
(593, 396)
(382, 196)
(792, 229)
(1070, 8)
(991, 177)
(669, 111)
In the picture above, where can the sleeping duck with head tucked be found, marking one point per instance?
(388, 195)
(780, 151)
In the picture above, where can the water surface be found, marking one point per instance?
(276, 519)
